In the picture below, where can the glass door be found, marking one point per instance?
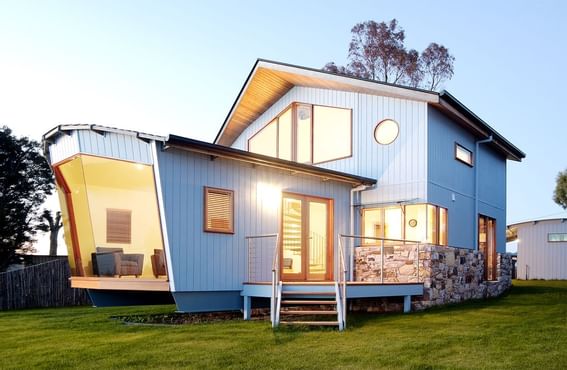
(306, 250)
(487, 245)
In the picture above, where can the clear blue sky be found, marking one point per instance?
(176, 67)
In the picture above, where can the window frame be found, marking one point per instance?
(294, 142)
(313, 134)
(380, 123)
(404, 222)
(457, 146)
(206, 228)
(557, 241)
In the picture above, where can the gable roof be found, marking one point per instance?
(268, 81)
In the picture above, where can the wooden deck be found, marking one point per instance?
(122, 283)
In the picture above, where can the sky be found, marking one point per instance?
(177, 66)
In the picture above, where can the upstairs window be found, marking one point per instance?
(219, 210)
(557, 237)
(118, 226)
(306, 133)
(463, 154)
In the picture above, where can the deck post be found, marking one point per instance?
(407, 303)
(247, 307)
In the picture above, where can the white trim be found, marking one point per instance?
(162, 217)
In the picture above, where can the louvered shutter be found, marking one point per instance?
(219, 210)
(118, 226)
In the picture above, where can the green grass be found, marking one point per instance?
(525, 329)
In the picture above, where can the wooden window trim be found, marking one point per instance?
(293, 106)
(230, 193)
(118, 236)
(457, 145)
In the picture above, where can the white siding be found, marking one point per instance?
(538, 258)
(114, 145)
(400, 168)
(107, 144)
(65, 146)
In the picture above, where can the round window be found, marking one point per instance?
(386, 131)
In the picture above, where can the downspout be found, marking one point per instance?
(352, 232)
(477, 145)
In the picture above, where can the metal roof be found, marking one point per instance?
(215, 150)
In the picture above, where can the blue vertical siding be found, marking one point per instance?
(204, 261)
(448, 177)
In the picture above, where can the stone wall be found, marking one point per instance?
(449, 275)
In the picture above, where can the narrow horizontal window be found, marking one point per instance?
(557, 237)
(118, 226)
(463, 154)
(219, 210)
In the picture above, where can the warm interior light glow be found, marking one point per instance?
(268, 195)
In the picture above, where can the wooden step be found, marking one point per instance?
(293, 292)
(311, 323)
(308, 312)
(316, 302)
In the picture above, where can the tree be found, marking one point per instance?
(51, 224)
(437, 64)
(560, 193)
(377, 51)
(25, 182)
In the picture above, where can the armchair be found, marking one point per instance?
(113, 261)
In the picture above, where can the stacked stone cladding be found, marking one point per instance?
(449, 275)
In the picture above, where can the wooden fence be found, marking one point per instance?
(42, 285)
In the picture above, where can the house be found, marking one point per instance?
(542, 248)
(317, 187)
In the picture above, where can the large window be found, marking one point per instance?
(416, 222)
(111, 218)
(306, 133)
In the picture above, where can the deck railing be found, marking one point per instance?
(259, 259)
(381, 244)
(341, 283)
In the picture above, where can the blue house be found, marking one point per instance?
(318, 189)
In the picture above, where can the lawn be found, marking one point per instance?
(525, 329)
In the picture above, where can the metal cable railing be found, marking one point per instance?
(253, 262)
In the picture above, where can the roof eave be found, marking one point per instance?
(258, 159)
(448, 102)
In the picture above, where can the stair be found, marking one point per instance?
(308, 305)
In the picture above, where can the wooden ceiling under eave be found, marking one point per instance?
(270, 81)
(263, 90)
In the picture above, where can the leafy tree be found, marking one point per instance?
(52, 224)
(25, 181)
(560, 193)
(377, 52)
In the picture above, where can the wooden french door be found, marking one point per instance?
(487, 245)
(306, 252)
